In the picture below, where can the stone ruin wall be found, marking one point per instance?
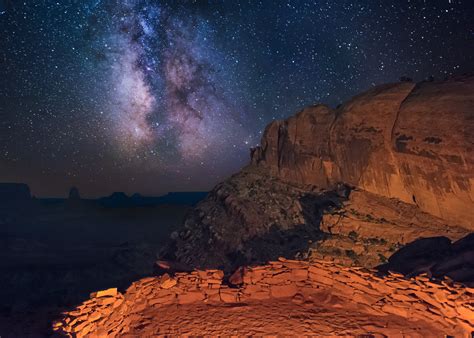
(448, 305)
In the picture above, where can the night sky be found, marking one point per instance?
(155, 96)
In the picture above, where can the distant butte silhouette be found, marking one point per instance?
(14, 193)
(74, 194)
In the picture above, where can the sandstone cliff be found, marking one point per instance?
(413, 142)
(356, 183)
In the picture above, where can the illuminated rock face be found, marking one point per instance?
(445, 306)
(391, 165)
(407, 141)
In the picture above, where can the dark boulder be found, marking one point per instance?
(436, 257)
(420, 254)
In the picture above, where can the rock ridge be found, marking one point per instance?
(391, 165)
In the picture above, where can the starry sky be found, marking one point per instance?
(155, 96)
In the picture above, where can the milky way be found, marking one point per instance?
(153, 96)
(165, 86)
(132, 101)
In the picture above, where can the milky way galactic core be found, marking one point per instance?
(154, 96)
(168, 88)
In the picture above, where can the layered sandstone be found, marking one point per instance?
(413, 142)
(421, 306)
(392, 165)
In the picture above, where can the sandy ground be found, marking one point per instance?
(273, 317)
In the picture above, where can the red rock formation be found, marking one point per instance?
(404, 148)
(405, 141)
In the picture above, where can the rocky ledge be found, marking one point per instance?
(441, 306)
(354, 183)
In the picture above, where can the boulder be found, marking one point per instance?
(437, 257)
(419, 255)
(237, 278)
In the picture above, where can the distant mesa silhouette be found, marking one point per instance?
(121, 200)
(74, 194)
(116, 200)
(14, 193)
(184, 197)
(137, 197)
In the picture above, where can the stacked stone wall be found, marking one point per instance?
(443, 303)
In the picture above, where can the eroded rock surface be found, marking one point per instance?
(251, 217)
(370, 228)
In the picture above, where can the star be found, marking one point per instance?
(174, 93)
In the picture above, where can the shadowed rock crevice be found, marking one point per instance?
(437, 257)
(397, 114)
